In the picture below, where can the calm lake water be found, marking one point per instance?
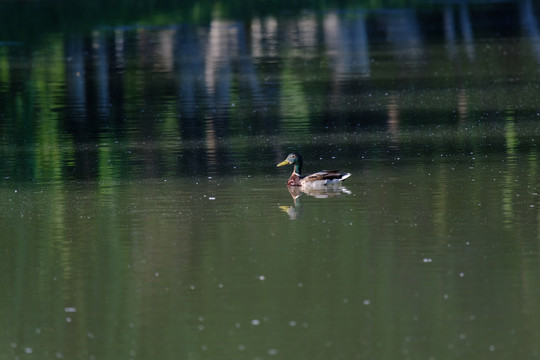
(143, 216)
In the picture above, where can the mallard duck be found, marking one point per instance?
(318, 179)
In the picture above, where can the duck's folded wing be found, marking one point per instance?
(327, 175)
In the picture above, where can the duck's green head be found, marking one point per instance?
(293, 159)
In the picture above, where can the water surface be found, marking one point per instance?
(143, 215)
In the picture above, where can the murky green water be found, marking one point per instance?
(143, 216)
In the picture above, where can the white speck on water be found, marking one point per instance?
(491, 347)
(272, 351)
(366, 302)
(70, 309)
(427, 260)
(445, 296)
(300, 284)
(28, 350)
(241, 347)
(200, 318)
(237, 325)
(59, 355)
(345, 301)
(200, 327)
(192, 287)
(255, 322)
(38, 331)
(211, 198)
(156, 274)
(292, 323)
(220, 286)
(461, 274)
(462, 336)
(262, 277)
(68, 319)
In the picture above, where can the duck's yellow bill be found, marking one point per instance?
(284, 162)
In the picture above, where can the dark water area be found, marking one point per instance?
(136, 88)
(143, 215)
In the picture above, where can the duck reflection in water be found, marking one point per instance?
(321, 185)
(296, 192)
